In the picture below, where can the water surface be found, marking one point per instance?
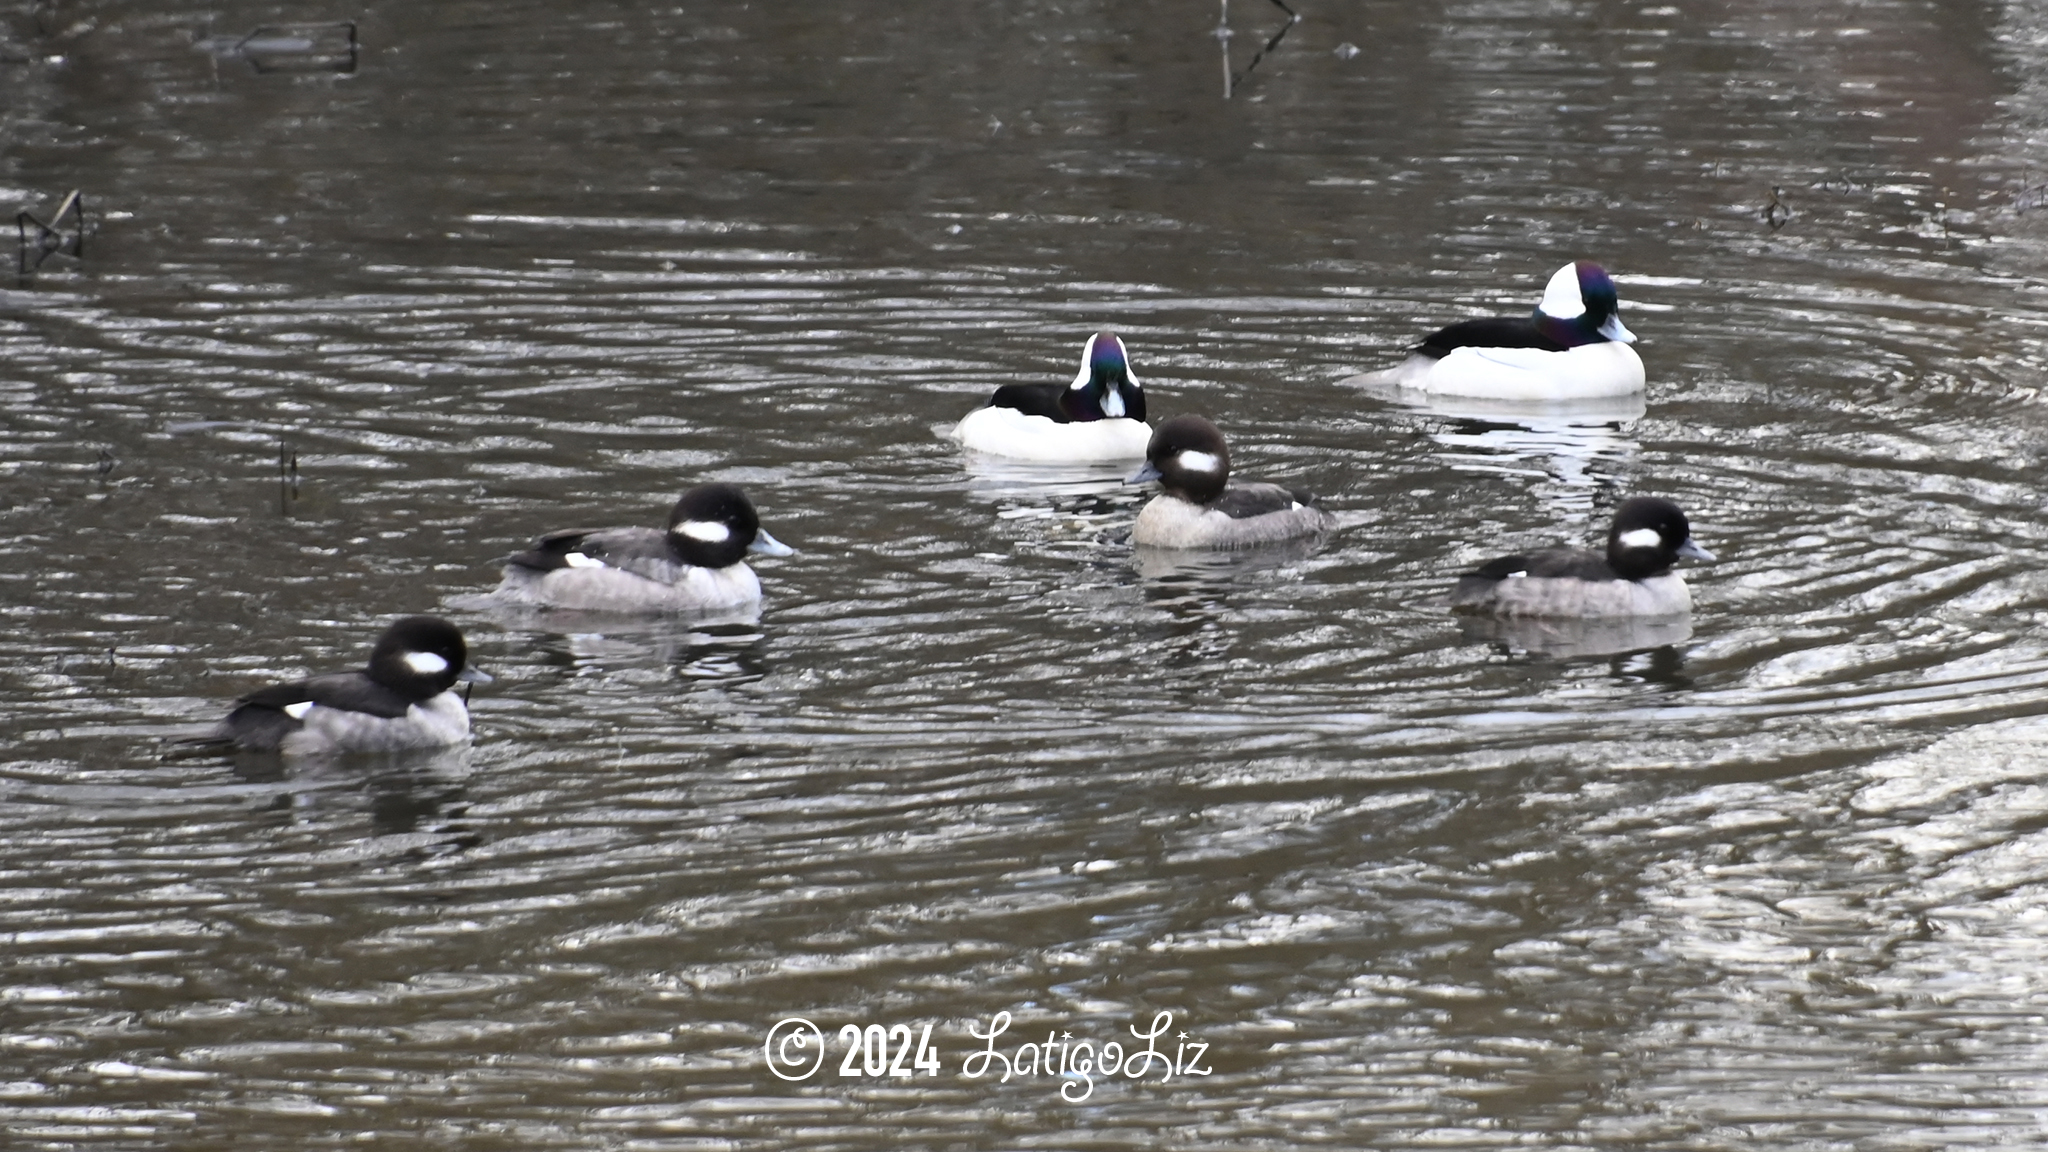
(1771, 883)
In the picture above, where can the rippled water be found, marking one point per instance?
(1775, 883)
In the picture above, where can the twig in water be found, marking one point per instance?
(1775, 212)
(1840, 182)
(2030, 195)
(1223, 35)
(287, 476)
(1230, 82)
(51, 237)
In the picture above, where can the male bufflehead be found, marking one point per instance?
(401, 701)
(1573, 348)
(1201, 509)
(693, 566)
(1634, 578)
(1098, 417)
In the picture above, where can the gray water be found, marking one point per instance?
(1776, 883)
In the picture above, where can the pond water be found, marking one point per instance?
(1773, 880)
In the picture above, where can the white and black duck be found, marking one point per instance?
(1099, 417)
(1574, 347)
(1201, 508)
(696, 564)
(1633, 578)
(403, 700)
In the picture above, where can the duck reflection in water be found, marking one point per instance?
(1577, 446)
(1176, 574)
(1579, 449)
(1026, 490)
(1568, 639)
(727, 650)
(1198, 591)
(407, 793)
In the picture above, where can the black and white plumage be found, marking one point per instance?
(1633, 578)
(1099, 416)
(695, 564)
(401, 701)
(1200, 508)
(1572, 347)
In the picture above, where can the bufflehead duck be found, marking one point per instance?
(401, 701)
(1100, 416)
(1634, 578)
(1573, 348)
(1201, 509)
(693, 566)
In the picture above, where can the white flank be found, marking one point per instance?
(579, 560)
(1198, 461)
(1561, 298)
(1009, 433)
(1642, 538)
(708, 531)
(1589, 372)
(298, 711)
(425, 663)
(1518, 575)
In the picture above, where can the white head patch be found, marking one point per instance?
(706, 531)
(579, 560)
(425, 663)
(1194, 461)
(1642, 538)
(1561, 297)
(298, 711)
(1113, 404)
(1082, 377)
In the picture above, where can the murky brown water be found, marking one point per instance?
(1775, 884)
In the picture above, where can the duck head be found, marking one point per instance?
(1648, 537)
(1105, 388)
(714, 526)
(1580, 307)
(422, 656)
(1187, 456)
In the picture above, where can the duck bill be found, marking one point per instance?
(1616, 331)
(473, 675)
(1145, 472)
(1692, 551)
(768, 545)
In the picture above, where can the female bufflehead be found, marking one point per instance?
(1573, 348)
(1100, 416)
(401, 701)
(1633, 579)
(695, 565)
(1201, 509)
